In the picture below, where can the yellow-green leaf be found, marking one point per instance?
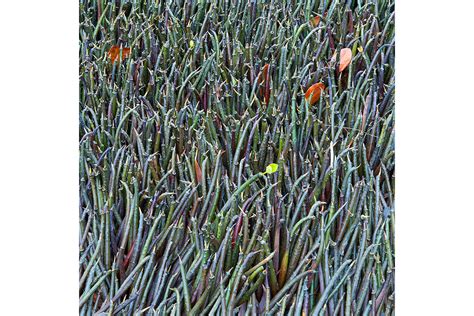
(271, 168)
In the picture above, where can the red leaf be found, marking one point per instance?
(315, 21)
(315, 90)
(114, 53)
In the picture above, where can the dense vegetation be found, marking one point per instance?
(184, 104)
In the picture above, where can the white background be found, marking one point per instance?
(39, 157)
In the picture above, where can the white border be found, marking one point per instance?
(434, 157)
(39, 157)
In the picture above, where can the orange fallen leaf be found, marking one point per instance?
(345, 58)
(315, 90)
(198, 171)
(114, 53)
(315, 21)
